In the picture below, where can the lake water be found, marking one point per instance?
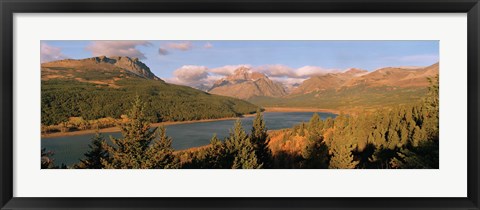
(70, 149)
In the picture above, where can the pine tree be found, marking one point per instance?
(314, 126)
(141, 147)
(431, 121)
(315, 154)
(93, 158)
(419, 135)
(215, 156)
(302, 129)
(424, 156)
(246, 158)
(242, 149)
(329, 123)
(259, 138)
(160, 152)
(342, 157)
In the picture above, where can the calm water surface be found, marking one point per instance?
(70, 149)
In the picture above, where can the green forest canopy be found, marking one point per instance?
(63, 98)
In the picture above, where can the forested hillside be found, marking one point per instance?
(100, 92)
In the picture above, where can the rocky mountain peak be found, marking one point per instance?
(133, 65)
(129, 63)
(245, 73)
(245, 83)
(242, 70)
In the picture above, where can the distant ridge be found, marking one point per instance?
(401, 77)
(327, 81)
(133, 65)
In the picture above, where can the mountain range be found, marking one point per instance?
(358, 88)
(400, 77)
(101, 87)
(402, 83)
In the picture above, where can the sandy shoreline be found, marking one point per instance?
(117, 129)
(299, 109)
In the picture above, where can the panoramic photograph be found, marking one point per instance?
(239, 104)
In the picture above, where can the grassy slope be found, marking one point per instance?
(347, 98)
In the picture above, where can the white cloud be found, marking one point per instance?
(117, 48)
(208, 45)
(196, 76)
(50, 53)
(183, 46)
(227, 70)
(308, 71)
(278, 70)
(191, 73)
(288, 80)
(193, 76)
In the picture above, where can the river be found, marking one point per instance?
(69, 149)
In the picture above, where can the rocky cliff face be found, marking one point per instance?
(132, 65)
(245, 84)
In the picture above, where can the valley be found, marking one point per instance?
(113, 112)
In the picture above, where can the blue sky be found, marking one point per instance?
(167, 58)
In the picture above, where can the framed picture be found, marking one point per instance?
(239, 105)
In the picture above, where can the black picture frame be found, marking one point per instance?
(10, 7)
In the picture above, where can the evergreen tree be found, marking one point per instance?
(425, 156)
(141, 147)
(314, 126)
(342, 157)
(93, 158)
(259, 138)
(329, 123)
(242, 149)
(215, 156)
(315, 154)
(432, 109)
(160, 152)
(246, 158)
(301, 131)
